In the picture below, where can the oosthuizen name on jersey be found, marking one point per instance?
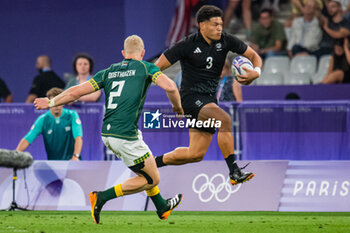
(122, 74)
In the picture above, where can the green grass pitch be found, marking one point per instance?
(179, 221)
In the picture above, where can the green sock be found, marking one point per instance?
(158, 201)
(107, 195)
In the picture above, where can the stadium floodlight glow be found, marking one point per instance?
(15, 160)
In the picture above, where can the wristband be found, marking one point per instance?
(77, 155)
(257, 69)
(51, 103)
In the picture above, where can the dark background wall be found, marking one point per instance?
(64, 28)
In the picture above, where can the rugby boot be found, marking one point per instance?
(237, 176)
(172, 203)
(96, 206)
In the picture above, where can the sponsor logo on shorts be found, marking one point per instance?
(199, 103)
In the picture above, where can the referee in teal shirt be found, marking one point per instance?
(61, 129)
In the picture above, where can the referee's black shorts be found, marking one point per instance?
(193, 103)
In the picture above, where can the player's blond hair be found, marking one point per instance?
(133, 45)
(53, 92)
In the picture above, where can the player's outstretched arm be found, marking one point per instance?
(172, 92)
(162, 62)
(65, 97)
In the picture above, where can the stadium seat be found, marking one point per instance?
(277, 64)
(304, 64)
(297, 79)
(270, 79)
(318, 77)
(322, 69)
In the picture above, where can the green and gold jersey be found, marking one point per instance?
(125, 84)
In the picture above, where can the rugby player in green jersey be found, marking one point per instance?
(126, 84)
(61, 129)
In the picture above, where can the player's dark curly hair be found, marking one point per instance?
(87, 57)
(208, 11)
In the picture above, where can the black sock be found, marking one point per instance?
(159, 161)
(230, 160)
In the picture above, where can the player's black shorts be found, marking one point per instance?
(193, 103)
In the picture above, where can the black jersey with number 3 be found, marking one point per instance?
(202, 63)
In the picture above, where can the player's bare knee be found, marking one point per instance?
(138, 170)
(152, 180)
(154, 184)
(226, 123)
(149, 186)
(197, 157)
(156, 181)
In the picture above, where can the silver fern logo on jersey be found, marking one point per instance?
(218, 47)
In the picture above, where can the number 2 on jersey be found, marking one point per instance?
(112, 94)
(210, 62)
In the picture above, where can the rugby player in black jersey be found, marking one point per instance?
(202, 56)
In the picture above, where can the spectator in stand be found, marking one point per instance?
(344, 5)
(306, 32)
(246, 14)
(268, 38)
(298, 7)
(45, 80)
(334, 27)
(274, 5)
(339, 65)
(83, 66)
(5, 94)
(347, 11)
(228, 89)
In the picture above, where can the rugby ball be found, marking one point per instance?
(237, 66)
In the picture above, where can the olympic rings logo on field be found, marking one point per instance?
(209, 185)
